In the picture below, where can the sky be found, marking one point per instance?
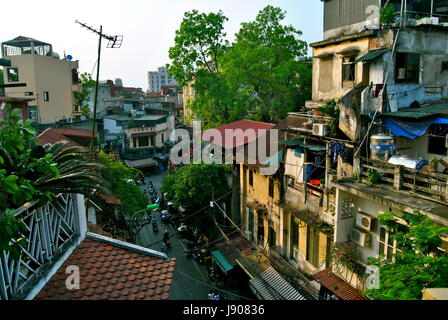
(148, 27)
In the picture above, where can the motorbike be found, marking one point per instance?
(155, 226)
(165, 215)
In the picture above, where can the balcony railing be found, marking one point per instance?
(52, 229)
(304, 122)
(427, 184)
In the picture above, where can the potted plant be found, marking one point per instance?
(387, 16)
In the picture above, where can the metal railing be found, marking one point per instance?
(51, 229)
(304, 122)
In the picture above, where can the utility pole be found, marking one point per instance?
(114, 42)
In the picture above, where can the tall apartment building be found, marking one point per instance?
(32, 70)
(156, 79)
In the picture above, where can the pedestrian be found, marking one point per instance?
(166, 238)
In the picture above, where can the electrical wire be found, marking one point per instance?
(210, 286)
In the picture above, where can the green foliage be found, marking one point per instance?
(263, 75)
(117, 174)
(331, 109)
(2, 90)
(268, 60)
(82, 97)
(387, 15)
(11, 231)
(373, 177)
(419, 265)
(199, 45)
(193, 186)
(29, 171)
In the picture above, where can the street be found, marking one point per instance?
(190, 278)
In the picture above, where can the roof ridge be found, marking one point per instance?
(127, 246)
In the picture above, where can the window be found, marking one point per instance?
(312, 246)
(251, 178)
(272, 237)
(294, 248)
(143, 142)
(46, 96)
(134, 140)
(387, 246)
(436, 139)
(348, 68)
(407, 67)
(271, 187)
(260, 230)
(250, 219)
(153, 141)
(13, 74)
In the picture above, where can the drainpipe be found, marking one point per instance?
(432, 7)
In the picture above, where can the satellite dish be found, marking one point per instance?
(69, 58)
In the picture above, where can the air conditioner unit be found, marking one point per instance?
(319, 129)
(365, 221)
(360, 237)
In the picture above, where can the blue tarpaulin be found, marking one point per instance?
(410, 130)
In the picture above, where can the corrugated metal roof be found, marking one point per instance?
(271, 286)
(338, 286)
(425, 111)
(372, 55)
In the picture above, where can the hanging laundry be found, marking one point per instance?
(337, 149)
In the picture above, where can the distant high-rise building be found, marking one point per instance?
(158, 78)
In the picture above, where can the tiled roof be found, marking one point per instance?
(109, 272)
(338, 286)
(74, 136)
(259, 127)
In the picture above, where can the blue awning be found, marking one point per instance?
(410, 130)
(222, 262)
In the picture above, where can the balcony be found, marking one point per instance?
(427, 185)
(54, 230)
(304, 122)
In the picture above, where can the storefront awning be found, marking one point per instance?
(371, 55)
(221, 261)
(143, 163)
(270, 285)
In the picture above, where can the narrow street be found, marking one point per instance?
(190, 277)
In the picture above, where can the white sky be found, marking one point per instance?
(148, 27)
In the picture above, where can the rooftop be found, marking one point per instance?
(337, 286)
(244, 125)
(428, 110)
(76, 137)
(112, 270)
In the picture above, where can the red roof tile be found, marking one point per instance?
(108, 272)
(260, 128)
(78, 137)
(338, 286)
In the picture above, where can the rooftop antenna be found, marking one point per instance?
(114, 43)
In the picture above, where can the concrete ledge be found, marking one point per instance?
(127, 246)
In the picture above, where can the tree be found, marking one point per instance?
(269, 61)
(420, 263)
(83, 97)
(118, 178)
(194, 186)
(199, 45)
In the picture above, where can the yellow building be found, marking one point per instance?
(33, 70)
(188, 96)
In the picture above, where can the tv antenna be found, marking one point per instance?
(114, 43)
